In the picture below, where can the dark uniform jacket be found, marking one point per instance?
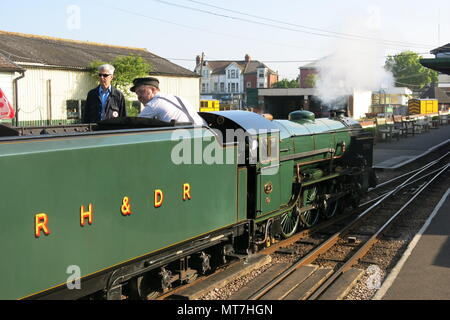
(115, 106)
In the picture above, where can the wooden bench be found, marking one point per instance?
(400, 125)
(409, 125)
(427, 123)
(421, 125)
(385, 129)
(435, 122)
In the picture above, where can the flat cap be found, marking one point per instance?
(149, 81)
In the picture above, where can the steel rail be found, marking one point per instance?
(371, 241)
(408, 184)
(327, 244)
(406, 174)
(324, 224)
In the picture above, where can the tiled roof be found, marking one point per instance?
(8, 65)
(315, 64)
(219, 66)
(311, 65)
(33, 49)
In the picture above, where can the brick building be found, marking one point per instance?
(308, 72)
(229, 81)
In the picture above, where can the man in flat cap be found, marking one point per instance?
(105, 101)
(163, 107)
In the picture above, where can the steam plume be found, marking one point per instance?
(354, 65)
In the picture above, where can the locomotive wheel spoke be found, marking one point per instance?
(289, 223)
(334, 207)
(331, 210)
(310, 217)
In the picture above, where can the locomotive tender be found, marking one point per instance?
(103, 210)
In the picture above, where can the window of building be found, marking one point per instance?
(203, 87)
(260, 85)
(229, 87)
(73, 108)
(216, 86)
(222, 87)
(233, 74)
(260, 73)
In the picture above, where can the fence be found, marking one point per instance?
(39, 123)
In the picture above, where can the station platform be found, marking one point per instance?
(397, 153)
(423, 272)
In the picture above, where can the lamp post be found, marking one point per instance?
(201, 73)
(383, 90)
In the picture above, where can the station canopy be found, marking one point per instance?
(438, 64)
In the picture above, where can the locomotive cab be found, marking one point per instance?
(257, 137)
(259, 156)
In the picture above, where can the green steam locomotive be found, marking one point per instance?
(128, 207)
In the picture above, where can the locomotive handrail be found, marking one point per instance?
(307, 154)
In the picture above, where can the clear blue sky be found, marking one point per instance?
(223, 30)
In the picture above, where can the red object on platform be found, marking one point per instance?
(6, 111)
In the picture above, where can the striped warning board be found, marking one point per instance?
(414, 106)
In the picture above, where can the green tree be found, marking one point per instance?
(127, 69)
(408, 72)
(311, 80)
(285, 83)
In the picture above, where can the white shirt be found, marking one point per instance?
(159, 108)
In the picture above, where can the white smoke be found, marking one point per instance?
(355, 65)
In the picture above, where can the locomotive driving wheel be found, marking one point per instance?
(310, 217)
(289, 223)
(332, 208)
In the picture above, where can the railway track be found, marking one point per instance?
(374, 195)
(384, 188)
(385, 218)
(318, 246)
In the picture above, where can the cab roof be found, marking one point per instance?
(251, 122)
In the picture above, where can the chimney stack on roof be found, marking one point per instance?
(197, 59)
(247, 58)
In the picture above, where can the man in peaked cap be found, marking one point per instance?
(163, 107)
